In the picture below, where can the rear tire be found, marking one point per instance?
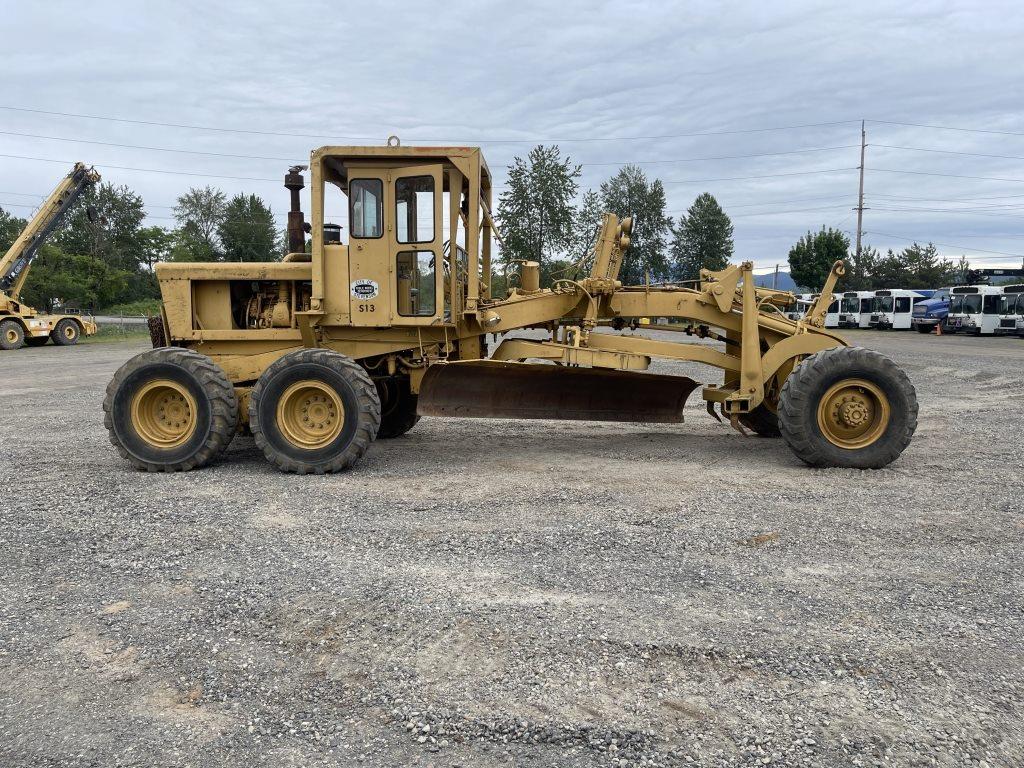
(170, 410)
(398, 407)
(36, 341)
(314, 411)
(66, 333)
(762, 420)
(924, 328)
(12, 335)
(848, 407)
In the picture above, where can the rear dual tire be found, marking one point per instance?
(170, 410)
(314, 411)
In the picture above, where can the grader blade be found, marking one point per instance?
(504, 390)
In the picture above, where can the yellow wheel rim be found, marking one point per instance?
(164, 413)
(12, 336)
(853, 413)
(70, 331)
(310, 414)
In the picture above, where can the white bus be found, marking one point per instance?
(798, 310)
(855, 309)
(1011, 311)
(974, 309)
(893, 309)
(832, 313)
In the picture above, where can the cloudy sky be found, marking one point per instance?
(774, 92)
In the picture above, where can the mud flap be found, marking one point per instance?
(505, 390)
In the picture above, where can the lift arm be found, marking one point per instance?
(15, 264)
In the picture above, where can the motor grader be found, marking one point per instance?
(325, 351)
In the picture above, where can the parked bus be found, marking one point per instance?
(855, 310)
(892, 309)
(974, 309)
(1011, 311)
(799, 309)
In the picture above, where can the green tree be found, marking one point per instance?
(156, 243)
(586, 220)
(199, 214)
(925, 268)
(73, 280)
(115, 236)
(247, 231)
(860, 272)
(702, 239)
(10, 227)
(811, 259)
(536, 213)
(629, 193)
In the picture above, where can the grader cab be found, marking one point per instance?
(322, 353)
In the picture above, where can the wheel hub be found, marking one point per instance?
(310, 414)
(853, 413)
(164, 413)
(12, 335)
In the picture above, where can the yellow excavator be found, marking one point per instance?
(21, 324)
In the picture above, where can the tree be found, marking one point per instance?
(860, 271)
(811, 259)
(247, 231)
(586, 220)
(536, 213)
(925, 268)
(628, 193)
(702, 240)
(10, 228)
(199, 214)
(114, 236)
(73, 280)
(157, 243)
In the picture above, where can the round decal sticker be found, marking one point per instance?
(364, 289)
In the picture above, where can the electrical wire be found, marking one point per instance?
(944, 245)
(145, 170)
(766, 176)
(533, 140)
(947, 175)
(945, 127)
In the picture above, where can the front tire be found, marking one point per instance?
(924, 328)
(848, 407)
(314, 411)
(170, 410)
(66, 333)
(12, 335)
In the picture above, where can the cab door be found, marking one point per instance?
(416, 245)
(369, 251)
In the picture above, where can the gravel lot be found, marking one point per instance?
(487, 593)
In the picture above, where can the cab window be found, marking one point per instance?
(902, 303)
(366, 214)
(416, 278)
(414, 209)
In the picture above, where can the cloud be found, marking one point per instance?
(464, 72)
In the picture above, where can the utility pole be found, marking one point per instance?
(860, 194)
(775, 280)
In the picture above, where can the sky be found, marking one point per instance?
(663, 85)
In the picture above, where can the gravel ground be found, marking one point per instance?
(484, 593)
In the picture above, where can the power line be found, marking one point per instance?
(722, 157)
(949, 152)
(944, 245)
(948, 175)
(767, 176)
(290, 160)
(948, 210)
(788, 210)
(221, 129)
(144, 170)
(947, 128)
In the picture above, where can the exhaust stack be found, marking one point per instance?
(294, 183)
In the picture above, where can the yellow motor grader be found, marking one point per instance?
(324, 352)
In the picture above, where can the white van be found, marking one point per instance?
(893, 309)
(855, 309)
(1011, 311)
(974, 309)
